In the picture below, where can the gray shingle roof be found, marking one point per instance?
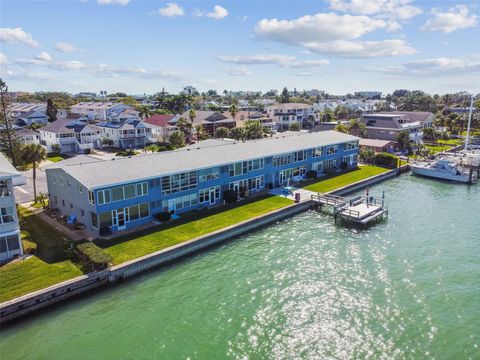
(121, 170)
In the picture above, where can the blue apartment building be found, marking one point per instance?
(109, 196)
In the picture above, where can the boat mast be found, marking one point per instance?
(468, 125)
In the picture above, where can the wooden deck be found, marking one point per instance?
(359, 210)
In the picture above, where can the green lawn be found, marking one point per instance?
(437, 148)
(133, 247)
(50, 265)
(55, 158)
(22, 277)
(347, 178)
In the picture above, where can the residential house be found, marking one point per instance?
(129, 133)
(10, 241)
(72, 135)
(125, 193)
(386, 126)
(28, 136)
(284, 115)
(99, 110)
(267, 123)
(425, 118)
(162, 125)
(19, 109)
(378, 145)
(32, 118)
(210, 120)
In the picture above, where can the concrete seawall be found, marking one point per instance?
(35, 301)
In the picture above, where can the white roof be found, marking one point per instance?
(6, 168)
(142, 167)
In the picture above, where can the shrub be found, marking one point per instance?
(344, 165)
(90, 256)
(163, 216)
(230, 196)
(312, 174)
(128, 152)
(270, 186)
(386, 159)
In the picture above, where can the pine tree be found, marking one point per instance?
(10, 143)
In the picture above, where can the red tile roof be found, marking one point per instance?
(159, 119)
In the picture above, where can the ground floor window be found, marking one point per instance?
(318, 166)
(120, 216)
(331, 164)
(180, 202)
(287, 174)
(94, 219)
(255, 183)
(209, 195)
(9, 243)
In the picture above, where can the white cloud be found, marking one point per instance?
(171, 10)
(218, 13)
(3, 58)
(17, 36)
(333, 34)
(434, 67)
(238, 71)
(113, 2)
(44, 56)
(256, 59)
(401, 9)
(364, 49)
(102, 70)
(65, 47)
(304, 64)
(454, 19)
(316, 28)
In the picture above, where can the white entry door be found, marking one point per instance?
(212, 196)
(121, 219)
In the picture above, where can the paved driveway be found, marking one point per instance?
(24, 193)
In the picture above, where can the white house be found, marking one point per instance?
(287, 114)
(162, 125)
(72, 135)
(10, 241)
(99, 110)
(28, 136)
(127, 134)
(19, 109)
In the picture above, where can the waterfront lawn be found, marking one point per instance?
(437, 148)
(133, 246)
(50, 264)
(347, 178)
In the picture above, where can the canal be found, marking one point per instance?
(407, 288)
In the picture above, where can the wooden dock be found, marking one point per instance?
(360, 210)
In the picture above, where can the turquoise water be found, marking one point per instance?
(408, 288)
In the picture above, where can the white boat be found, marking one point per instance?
(443, 169)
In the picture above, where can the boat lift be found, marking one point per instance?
(360, 210)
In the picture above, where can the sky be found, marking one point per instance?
(340, 46)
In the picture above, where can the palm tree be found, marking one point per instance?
(192, 115)
(34, 153)
(233, 110)
(357, 128)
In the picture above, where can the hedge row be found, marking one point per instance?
(91, 257)
(386, 159)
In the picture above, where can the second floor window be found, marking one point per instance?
(6, 215)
